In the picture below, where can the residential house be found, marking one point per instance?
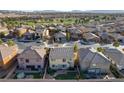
(75, 33)
(105, 38)
(38, 31)
(117, 37)
(61, 58)
(32, 58)
(91, 37)
(61, 28)
(4, 30)
(7, 55)
(29, 35)
(60, 37)
(19, 32)
(116, 55)
(41, 32)
(92, 60)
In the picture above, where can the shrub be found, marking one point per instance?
(116, 44)
(10, 42)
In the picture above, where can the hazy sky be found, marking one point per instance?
(63, 5)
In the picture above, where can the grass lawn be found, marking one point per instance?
(82, 76)
(50, 71)
(68, 76)
(35, 75)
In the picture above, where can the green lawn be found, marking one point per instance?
(68, 76)
(82, 76)
(35, 75)
(50, 71)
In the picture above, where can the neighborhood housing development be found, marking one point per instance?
(53, 45)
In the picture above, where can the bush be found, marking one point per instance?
(2, 34)
(10, 42)
(116, 44)
(1, 41)
(75, 48)
(67, 36)
(99, 49)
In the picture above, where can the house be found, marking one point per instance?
(91, 37)
(92, 61)
(116, 55)
(4, 30)
(83, 29)
(60, 37)
(117, 37)
(7, 55)
(32, 58)
(29, 35)
(61, 28)
(41, 32)
(38, 32)
(61, 58)
(75, 33)
(105, 37)
(19, 32)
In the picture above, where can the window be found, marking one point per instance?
(27, 60)
(64, 66)
(53, 65)
(21, 59)
(38, 66)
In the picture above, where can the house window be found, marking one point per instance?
(27, 60)
(64, 60)
(64, 66)
(53, 65)
(38, 66)
(21, 59)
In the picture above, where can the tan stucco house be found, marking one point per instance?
(32, 58)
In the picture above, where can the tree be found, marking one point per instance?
(1, 41)
(61, 21)
(100, 49)
(10, 42)
(67, 36)
(2, 34)
(116, 44)
(75, 48)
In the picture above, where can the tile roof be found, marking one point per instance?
(92, 56)
(6, 51)
(61, 52)
(38, 50)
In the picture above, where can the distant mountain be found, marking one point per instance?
(105, 11)
(77, 11)
(54, 11)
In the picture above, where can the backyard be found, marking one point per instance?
(31, 75)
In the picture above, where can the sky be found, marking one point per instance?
(62, 5)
